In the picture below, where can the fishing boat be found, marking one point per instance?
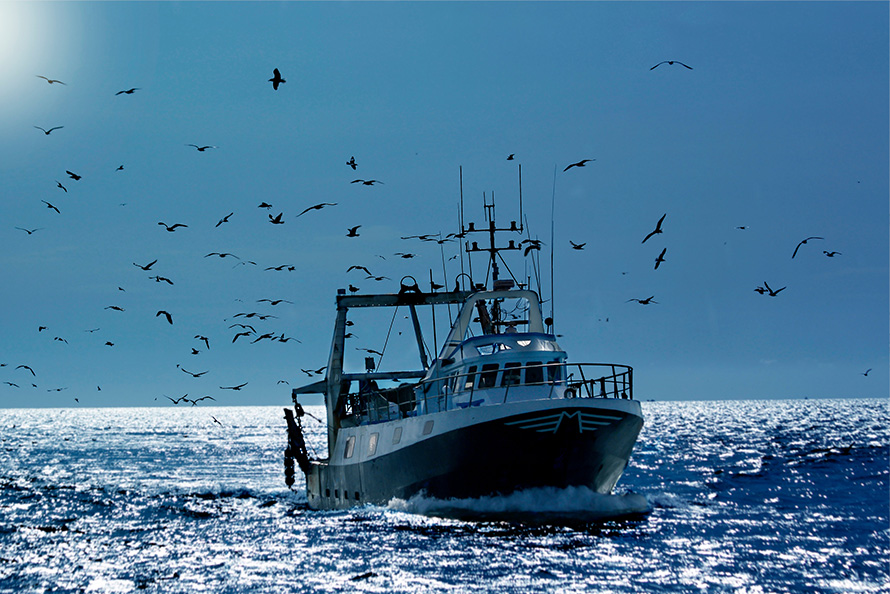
(500, 409)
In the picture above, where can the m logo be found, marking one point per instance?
(551, 423)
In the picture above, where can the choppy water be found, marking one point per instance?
(742, 497)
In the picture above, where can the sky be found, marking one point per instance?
(777, 131)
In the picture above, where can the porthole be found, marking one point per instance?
(428, 427)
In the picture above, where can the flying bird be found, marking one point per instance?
(351, 268)
(657, 228)
(238, 387)
(274, 301)
(47, 132)
(577, 246)
(201, 149)
(48, 205)
(73, 175)
(115, 308)
(645, 301)
(580, 163)
(265, 205)
(29, 231)
(831, 254)
(510, 156)
(50, 80)
(128, 91)
(147, 267)
(276, 79)
(660, 258)
(225, 219)
(171, 228)
(222, 255)
(166, 315)
(276, 220)
(35, 375)
(161, 279)
(215, 420)
(802, 243)
(205, 339)
(317, 207)
(771, 292)
(199, 374)
(353, 231)
(670, 63)
(366, 182)
(58, 183)
(351, 162)
(866, 372)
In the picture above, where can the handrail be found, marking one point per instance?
(371, 405)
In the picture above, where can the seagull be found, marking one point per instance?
(201, 149)
(73, 175)
(771, 292)
(128, 91)
(353, 231)
(670, 63)
(657, 228)
(58, 183)
(366, 182)
(829, 254)
(115, 308)
(660, 258)
(510, 156)
(166, 315)
(147, 267)
(577, 246)
(351, 268)
(866, 372)
(222, 255)
(199, 374)
(48, 205)
(50, 130)
(317, 207)
(274, 301)
(371, 351)
(760, 290)
(803, 242)
(172, 228)
(238, 387)
(645, 301)
(120, 168)
(215, 420)
(405, 256)
(205, 339)
(351, 162)
(276, 220)
(50, 80)
(177, 400)
(265, 205)
(225, 219)
(32, 371)
(29, 231)
(241, 334)
(161, 279)
(276, 79)
(580, 163)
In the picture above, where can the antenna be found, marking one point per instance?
(552, 244)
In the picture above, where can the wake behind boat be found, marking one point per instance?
(499, 410)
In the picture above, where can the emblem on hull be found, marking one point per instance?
(551, 423)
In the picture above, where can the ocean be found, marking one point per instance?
(738, 496)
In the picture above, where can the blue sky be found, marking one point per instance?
(781, 127)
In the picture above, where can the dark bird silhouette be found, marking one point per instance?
(50, 80)
(183, 398)
(366, 182)
(28, 368)
(147, 267)
(510, 156)
(47, 132)
(29, 231)
(276, 79)
(12, 384)
(670, 63)
(58, 183)
(351, 162)
(48, 205)
(771, 292)
(405, 256)
(128, 91)
(657, 228)
(353, 231)
(802, 243)
(115, 308)
(276, 220)
(274, 301)
(866, 372)
(645, 301)
(222, 255)
(533, 244)
(173, 227)
(351, 268)
(109, 343)
(761, 290)
(215, 420)
(238, 387)
(371, 351)
(60, 339)
(580, 163)
(161, 279)
(317, 207)
(120, 168)
(240, 334)
(73, 175)
(829, 254)
(660, 258)
(166, 315)
(225, 219)
(353, 288)
(201, 149)
(265, 205)
(577, 246)
(199, 374)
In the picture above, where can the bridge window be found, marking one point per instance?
(488, 376)
(471, 377)
(350, 447)
(511, 374)
(372, 445)
(534, 373)
(554, 372)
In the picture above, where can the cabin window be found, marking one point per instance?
(471, 378)
(534, 373)
(372, 444)
(488, 376)
(357, 496)
(511, 374)
(428, 427)
(350, 447)
(554, 372)
(397, 435)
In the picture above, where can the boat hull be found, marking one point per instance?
(478, 452)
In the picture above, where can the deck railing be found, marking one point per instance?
(563, 380)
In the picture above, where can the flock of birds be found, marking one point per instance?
(248, 332)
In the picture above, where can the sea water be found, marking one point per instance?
(740, 496)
